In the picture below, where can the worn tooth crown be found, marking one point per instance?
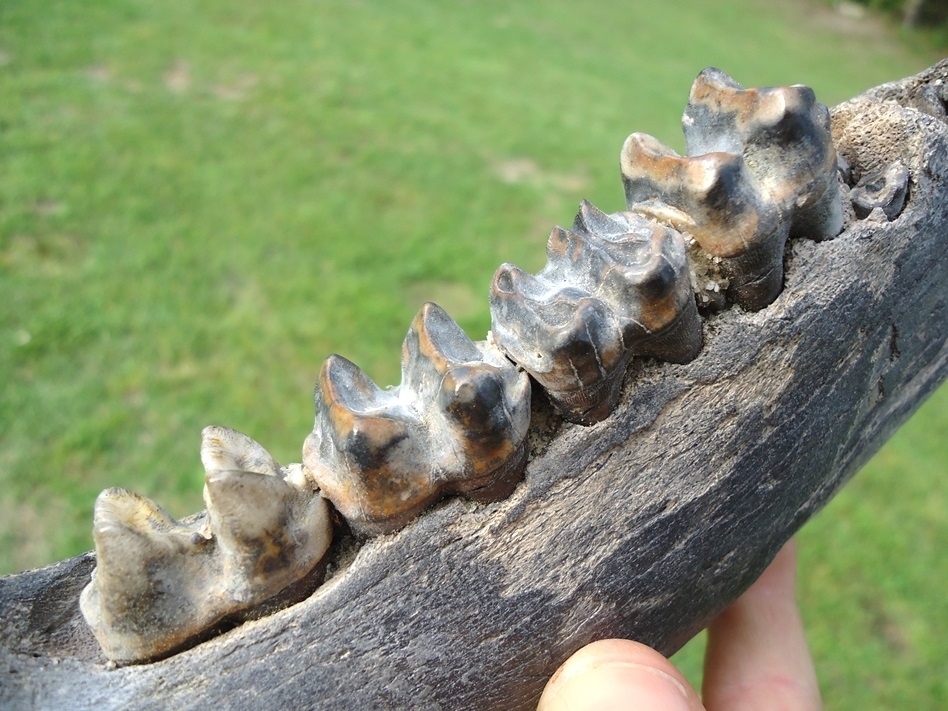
(711, 197)
(783, 134)
(714, 200)
(160, 584)
(456, 424)
(761, 167)
(149, 567)
(613, 286)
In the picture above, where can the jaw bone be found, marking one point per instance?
(161, 584)
(456, 424)
(614, 286)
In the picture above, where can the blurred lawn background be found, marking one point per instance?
(200, 201)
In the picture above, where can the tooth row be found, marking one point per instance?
(613, 286)
(456, 424)
(160, 584)
(761, 167)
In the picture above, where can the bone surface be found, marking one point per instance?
(644, 526)
(160, 584)
(456, 424)
(614, 286)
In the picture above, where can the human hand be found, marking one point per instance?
(757, 659)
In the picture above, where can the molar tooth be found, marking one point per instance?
(646, 280)
(363, 450)
(149, 570)
(613, 286)
(783, 134)
(161, 584)
(566, 339)
(271, 525)
(714, 199)
(886, 189)
(269, 533)
(456, 424)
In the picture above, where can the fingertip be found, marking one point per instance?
(618, 674)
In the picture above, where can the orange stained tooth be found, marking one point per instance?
(460, 414)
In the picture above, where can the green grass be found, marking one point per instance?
(200, 201)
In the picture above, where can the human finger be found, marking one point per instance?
(757, 655)
(618, 675)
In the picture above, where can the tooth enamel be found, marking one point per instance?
(739, 232)
(161, 584)
(614, 286)
(761, 168)
(224, 449)
(456, 424)
(886, 190)
(783, 134)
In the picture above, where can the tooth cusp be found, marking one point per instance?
(614, 286)
(225, 449)
(457, 423)
(761, 167)
(783, 134)
(737, 232)
(161, 585)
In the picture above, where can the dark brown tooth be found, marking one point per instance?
(456, 424)
(783, 134)
(713, 199)
(614, 286)
(162, 584)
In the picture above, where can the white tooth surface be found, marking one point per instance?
(160, 583)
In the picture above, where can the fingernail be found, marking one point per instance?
(617, 686)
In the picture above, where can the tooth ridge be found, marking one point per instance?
(760, 167)
(410, 434)
(611, 287)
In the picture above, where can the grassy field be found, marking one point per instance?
(200, 201)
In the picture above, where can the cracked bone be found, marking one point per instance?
(614, 286)
(644, 526)
(456, 424)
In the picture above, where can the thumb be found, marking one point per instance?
(618, 675)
